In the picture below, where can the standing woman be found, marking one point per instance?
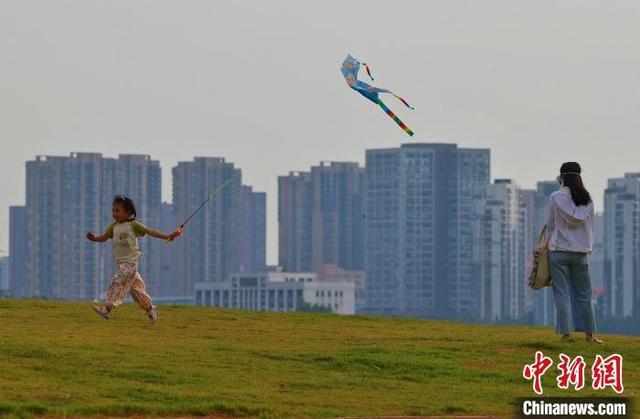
(570, 232)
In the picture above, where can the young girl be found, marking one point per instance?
(124, 232)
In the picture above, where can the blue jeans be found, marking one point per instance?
(571, 292)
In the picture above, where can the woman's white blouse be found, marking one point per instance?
(569, 227)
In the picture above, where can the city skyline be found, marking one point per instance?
(269, 241)
(551, 185)
(419, 230)
(177, 82)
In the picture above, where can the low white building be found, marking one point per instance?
(332, 273)
(276, 291)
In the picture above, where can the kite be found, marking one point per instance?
(350, 68)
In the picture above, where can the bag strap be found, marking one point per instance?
(541, 239)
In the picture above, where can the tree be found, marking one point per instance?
(312, 308)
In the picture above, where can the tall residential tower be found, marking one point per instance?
(418, 228)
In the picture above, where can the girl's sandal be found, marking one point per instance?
(101, 311)
(595, 339)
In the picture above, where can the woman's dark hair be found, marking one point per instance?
(570, 174)
(126, 203)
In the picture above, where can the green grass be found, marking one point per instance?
(62, 359)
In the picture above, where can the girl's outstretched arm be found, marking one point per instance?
(102, 238)
(108, 233)
(141, 229)
(159, 235)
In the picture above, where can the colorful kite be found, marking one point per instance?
(350, 68)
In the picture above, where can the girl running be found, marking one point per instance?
(124, 232)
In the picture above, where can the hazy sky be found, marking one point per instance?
(258, 82)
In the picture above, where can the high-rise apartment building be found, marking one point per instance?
(18, 251)
(67, 196)
(622, 246)
(227, 234)
(320, 215)
(418, 228)
(500, 233)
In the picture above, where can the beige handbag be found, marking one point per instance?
(539, 276)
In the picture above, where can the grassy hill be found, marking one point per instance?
(61, 358)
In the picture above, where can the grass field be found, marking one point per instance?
(62, 359)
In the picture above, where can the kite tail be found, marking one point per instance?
(366, 67)
(403, 101)
(395, 118)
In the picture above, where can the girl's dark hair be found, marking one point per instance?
(570, 174)
(126, 203)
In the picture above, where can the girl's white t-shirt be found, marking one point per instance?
(125, 240)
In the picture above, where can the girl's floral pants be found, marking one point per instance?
(125, 281)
